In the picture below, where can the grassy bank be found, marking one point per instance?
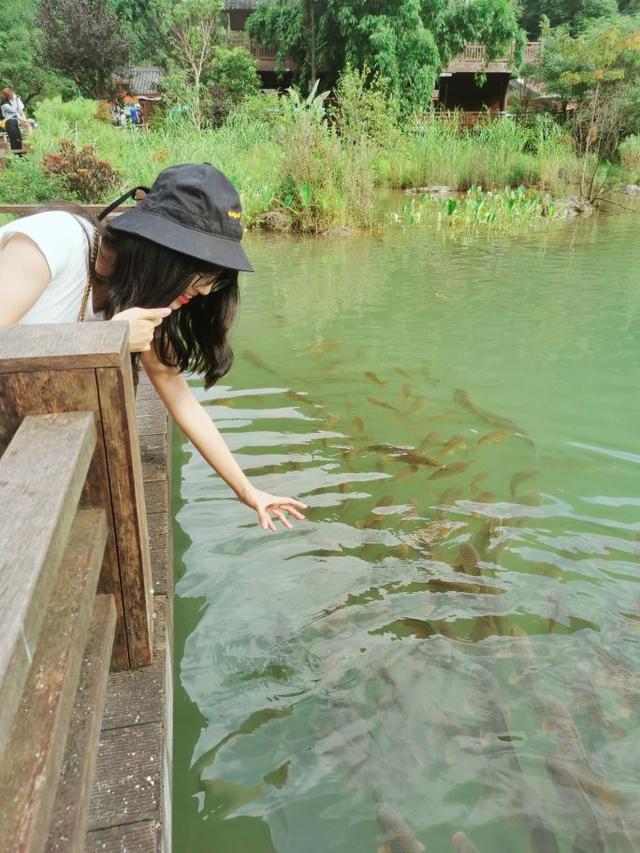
(297, 171)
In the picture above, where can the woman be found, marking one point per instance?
(13, 115)
(168, 267)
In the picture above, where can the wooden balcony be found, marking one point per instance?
(265, 57)
(473, 60)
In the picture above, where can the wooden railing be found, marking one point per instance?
(238, 38)
(476, 53)
(75, 582)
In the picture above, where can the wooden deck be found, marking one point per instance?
(131, 799)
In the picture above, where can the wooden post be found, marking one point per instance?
(87, 367)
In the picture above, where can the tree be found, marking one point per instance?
(20, 48)
(403, 42)
(81, 40)
(195, 29)
(144, 25)
(575, 14)
(598, 70)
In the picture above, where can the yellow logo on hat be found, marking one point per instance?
(233, 214)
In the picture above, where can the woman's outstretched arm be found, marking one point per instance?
(196, 424)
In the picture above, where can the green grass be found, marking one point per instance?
(288, 163)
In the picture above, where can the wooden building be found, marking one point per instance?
(460, 84)
(237, 12)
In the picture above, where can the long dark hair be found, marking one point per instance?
(146, 275)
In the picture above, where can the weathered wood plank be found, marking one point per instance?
(136, 696)
(36, 514)
(46, 391)
(117, 406)
(156, 496)
(130, 838)
(60, 346)
(128, 776)
(71, 809)
(36, 743)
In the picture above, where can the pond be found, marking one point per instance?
(451, 642)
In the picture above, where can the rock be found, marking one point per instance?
(436, 189)
(631, 189)
(338, 232)
(571, 206)
(275, 220)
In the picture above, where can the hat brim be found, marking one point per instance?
(212, 248)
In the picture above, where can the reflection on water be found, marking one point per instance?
(445, 656)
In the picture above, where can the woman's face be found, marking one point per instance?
(200, 285)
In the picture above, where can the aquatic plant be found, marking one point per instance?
(503, 210)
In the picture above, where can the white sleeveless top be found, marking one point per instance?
(62, 239)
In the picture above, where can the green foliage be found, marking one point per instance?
(504, 210)
(232, 79)
(81, 41)
(293, 167)
(364, 109)
(630, 158)
(20, 49)
(403, 42)
(574, 14)
(24, 182)
(82, 174)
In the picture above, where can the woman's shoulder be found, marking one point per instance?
(62, 237)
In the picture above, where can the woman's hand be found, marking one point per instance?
(142, 325)
(269, 507)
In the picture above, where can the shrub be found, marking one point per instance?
(82, 173)
(629, 151)
(365, 110)
(24, 182)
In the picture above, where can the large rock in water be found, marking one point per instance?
(275, 220)
(571, 206)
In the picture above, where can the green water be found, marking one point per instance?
(371, 659)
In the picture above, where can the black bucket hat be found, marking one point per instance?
(193, 209)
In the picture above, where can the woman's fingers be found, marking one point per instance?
(293, 511)
(282, 518)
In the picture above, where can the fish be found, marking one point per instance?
(358, 425)
(623, 679)
(297, 396)
(462, 844)
(457, 442)
(254, 359)
(402, 372)
(381, 404)
(486, 498)
(450, 470)
(469, 559)
(477, 480)
(462, 398)
(522, 477)
(415, 457)
(441, 416)
(590, 836)
(396, 836)
(449, 496)
(405, 393)
(433, 531)
(418, 404)
(373, 378)
(493, 437)
(322, 347)
(494, 722)
(331, 422)
(431, 438)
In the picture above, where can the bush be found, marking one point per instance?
(82, 173)
(629, 151)
(365, 110)
(24, 182)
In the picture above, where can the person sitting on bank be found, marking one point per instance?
(13, 115)
(169, 268)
